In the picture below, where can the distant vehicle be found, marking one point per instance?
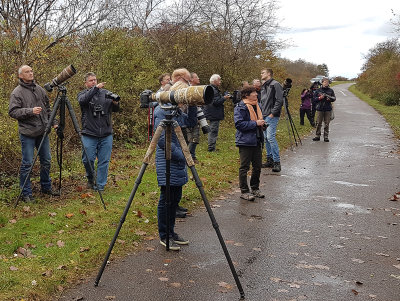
(318, 79)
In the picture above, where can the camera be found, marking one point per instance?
(62, 77)
(287, 84)
(98, 109)
(202, 121)
(192, 96)
(113, 96)
(235, 96)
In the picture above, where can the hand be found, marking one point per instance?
(37, 110)
(260, 122)
(227, 96)
(321, 97)
(271, 115)
(55, 126)
(100, 85)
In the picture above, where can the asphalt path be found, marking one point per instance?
(325, 231)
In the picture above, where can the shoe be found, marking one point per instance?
(326, 139)
(180, 214)
(257, 193)
(90, 185)
(99, 189)
(181, 209)
(277, 167)
(269, 163)
(51, 192)
(28, 199)
(180, 240)
(315, 139)
(247, 196)
(172, 245)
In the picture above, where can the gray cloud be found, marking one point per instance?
(317, 28)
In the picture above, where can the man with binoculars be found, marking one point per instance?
(97, 104)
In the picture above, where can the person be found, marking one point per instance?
(30, 105)
(165, 82)
(257, 86)
(325, 97)
(314, 87)
(178, 172)
(193, 133)
(214, 112)
(271, 107)
(305, 106)
(249, 125)
(97, 104)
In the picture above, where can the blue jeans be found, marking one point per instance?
(213, 134)
(28, 145)
(175, 197)
(99, 147)
(271, 144)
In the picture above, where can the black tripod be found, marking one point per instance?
(167, 125)
(60, 103)
(292, 131)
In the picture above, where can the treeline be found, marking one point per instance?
(128, 44)
(380, 77)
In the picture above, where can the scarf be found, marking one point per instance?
(253, 115)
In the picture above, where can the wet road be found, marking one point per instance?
(325, 231)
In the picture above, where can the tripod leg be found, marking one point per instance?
(199, 185)
(287, 123)
(78, 131)
(168, 137)
(46, 133)
(146, 162)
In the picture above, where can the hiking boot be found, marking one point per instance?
(316, 139)
(180, 214)
(51, 192)
(28, 199)
(269, 163)
(181, 209)
(90, 185)
(247, 196)
(172, 245)
(257, 193)
(326, 139)
(277, 167)
(180, 240)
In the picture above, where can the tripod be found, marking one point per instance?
(168, 124)
(292, 131)
(60, 103)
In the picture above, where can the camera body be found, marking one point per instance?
(113, 96)
(235, 96)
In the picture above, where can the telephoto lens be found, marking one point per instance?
(202, 121)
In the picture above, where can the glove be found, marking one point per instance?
(321, 97)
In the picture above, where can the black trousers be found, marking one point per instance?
(253, 155)
(309, 116)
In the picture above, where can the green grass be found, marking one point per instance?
(390, 113)
(68, 237)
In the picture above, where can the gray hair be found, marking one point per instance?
(87, 75)
(214, 78)
(20, 69)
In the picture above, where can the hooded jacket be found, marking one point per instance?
(23, 99)
(271, 98)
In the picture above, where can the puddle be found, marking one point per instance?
(350, 184)
(352, 207)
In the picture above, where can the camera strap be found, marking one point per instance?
(150, 122)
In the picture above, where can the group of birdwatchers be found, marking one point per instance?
(256, 117)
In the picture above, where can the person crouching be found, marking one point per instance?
(249, 125)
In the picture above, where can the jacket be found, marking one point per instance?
(215, 110)
(178, 171)
(306, 100)
(22, 101)
(324, 104)
(96, 112)
(271, 98)
(247, 131)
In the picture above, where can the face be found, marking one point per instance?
(195, 80)
(325, 83)
(166, 80)
(26, 74)
(91, 81)
(257, 84)
(217, 82)
(265, 75)
(252, 96)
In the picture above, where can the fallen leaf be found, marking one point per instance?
(302, 244)
(50, 244)
(355, 292)
(26, 209)
(229, 242)
(150, 249)
(394, 198)
(60, 243)
(83, 212)
(61, 267)
(397, 266)
(139, 214)
(257, 249)
(163, 279)
(12, 221)
(382, 254)
(238, 244)
(52, 214)
(48, 273)
(13, 268)
(395, 276)
(225, 285)
(357, 260)
(140, 233)
(84, 249)
(69, 215)
(120, 241)
(176, 284)
(274, 279)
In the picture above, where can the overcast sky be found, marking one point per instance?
(338, 33)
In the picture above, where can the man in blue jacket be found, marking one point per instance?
(249, 124)
(97, 104)
(214, 112)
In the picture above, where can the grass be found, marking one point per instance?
(48, 246)
(390, 113)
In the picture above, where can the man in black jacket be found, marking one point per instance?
(29, 104)
(325, 96)
(97, 104)
(214, 111)
(271, 106)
